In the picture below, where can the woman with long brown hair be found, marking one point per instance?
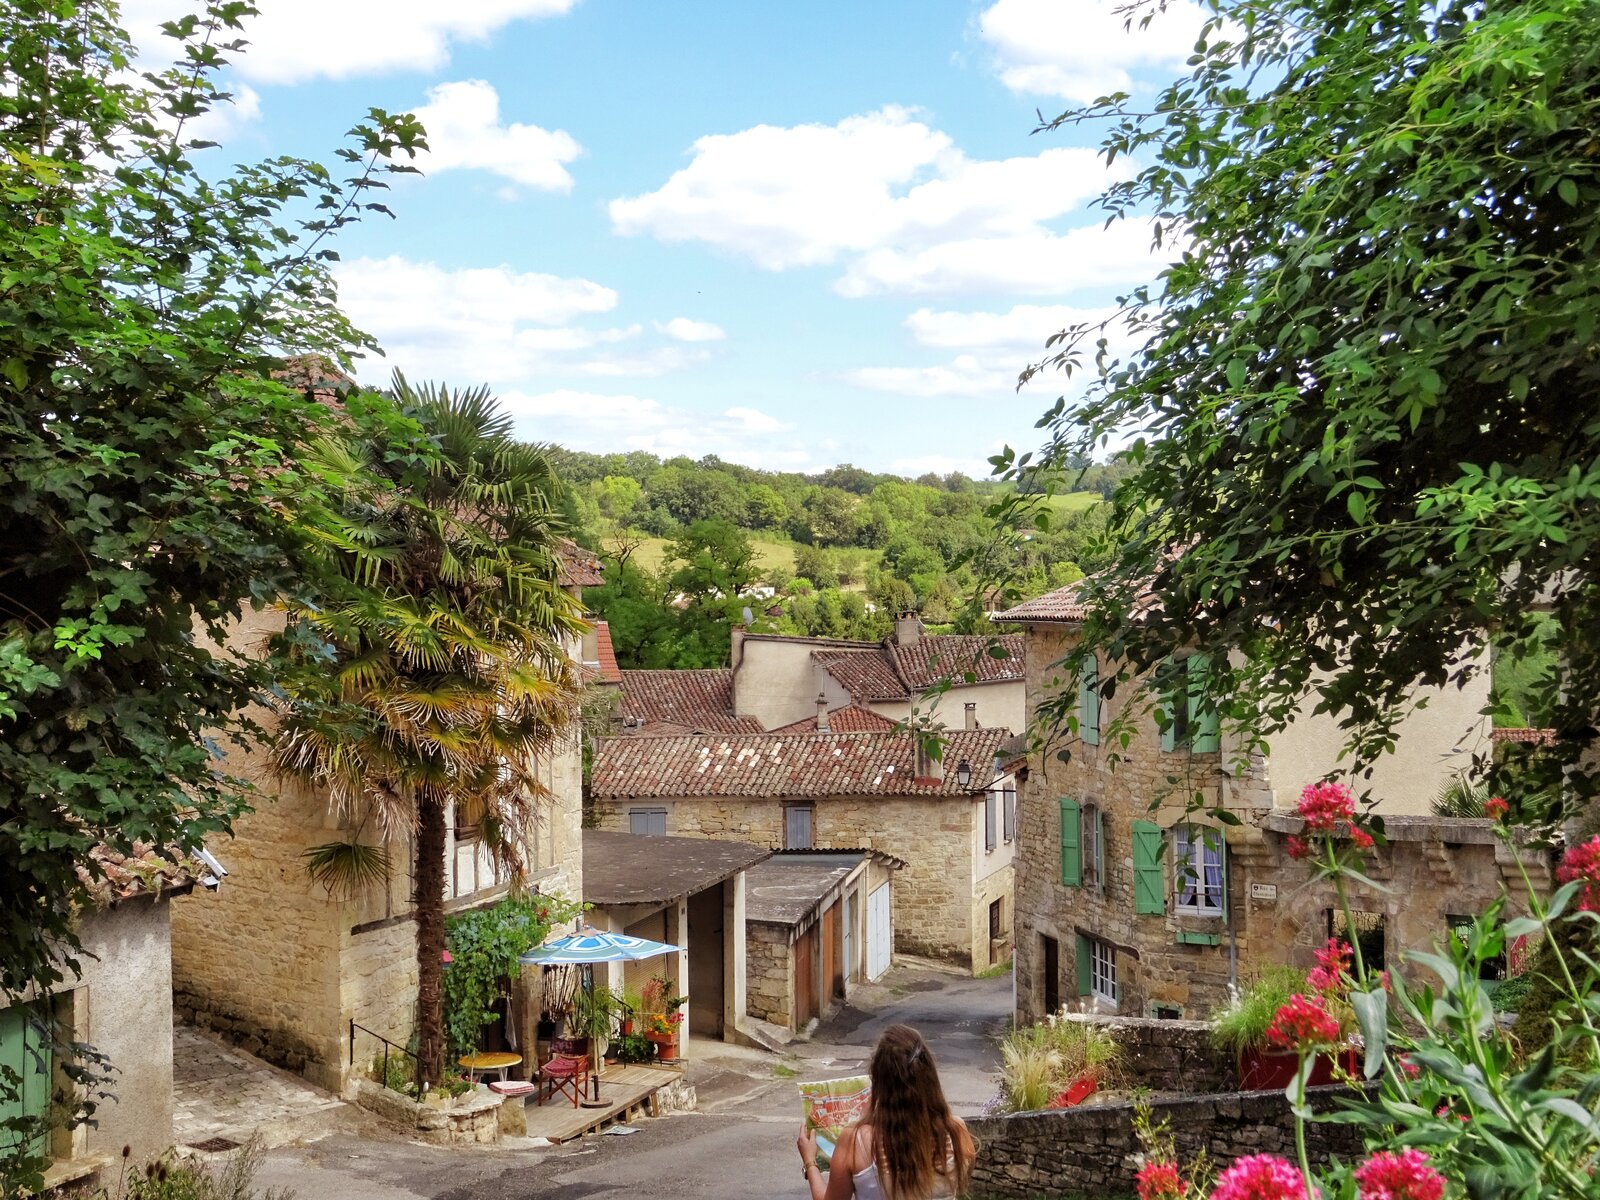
(908, 1146)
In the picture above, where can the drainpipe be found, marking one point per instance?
(1226, 789)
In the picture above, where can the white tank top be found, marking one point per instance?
(870, 1187)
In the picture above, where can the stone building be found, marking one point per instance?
(777, 682)
(1128, 902)
(120, 1002)
(282, 968)
(951, 821)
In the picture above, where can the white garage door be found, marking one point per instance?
(879, 934)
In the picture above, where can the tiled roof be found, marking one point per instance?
(142, 873)
(1535, 737)
(609, 672)
(851, 718)
(894, 672)
(772, 765)
(579, 567)
(1063, 604)
(687, 701)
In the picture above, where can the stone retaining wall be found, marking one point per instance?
(475, 1118)
(1167, 1056)
(1093, 1151)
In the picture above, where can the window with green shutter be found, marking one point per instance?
(1085, 979)
(1071, 843)
(1204, 727)
(1149, 889)
(24, 1051)
(1089, 703)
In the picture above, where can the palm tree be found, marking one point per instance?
(436, 674)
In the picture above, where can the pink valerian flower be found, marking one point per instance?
(1409, 1068)
(1303, 1022)
(1324, 805)
(1582, 862)
(1362, 839)
(1160, 1180)
(1399, 1175)
(1298, 848)
(1444, 1110)
(1260, 1177)
(1333, 965)
(1496, 808)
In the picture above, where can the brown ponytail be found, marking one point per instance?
(916, 1139)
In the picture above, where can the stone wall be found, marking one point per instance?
(769, 973)
(1167, 1056)
(1092, 1151)
(934, 896)
(1435, 868)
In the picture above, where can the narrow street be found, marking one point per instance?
(738, 1144)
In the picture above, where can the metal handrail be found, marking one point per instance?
(387, 1046)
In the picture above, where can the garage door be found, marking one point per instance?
(879, 934)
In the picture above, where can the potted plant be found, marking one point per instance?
(629, 1005)
(635, 1048)
(589, 1018)
(662, 1016)
(1240, 1030)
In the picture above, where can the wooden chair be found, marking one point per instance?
(566, 1071)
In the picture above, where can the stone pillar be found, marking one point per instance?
(676, 967)
(735, 967)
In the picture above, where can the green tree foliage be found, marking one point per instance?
(148, 454)
(1364, 409)
(425, 691)
(485, 948)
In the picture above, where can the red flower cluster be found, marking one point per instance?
(1496, 808)
(1160, 1181)
(1444, 1110)
(1324, 805)
(1583, 863)
(1333, 965)
(1399, 1175)
(1260, 1177)
(1299, 847)
(1411, 1070)
(1303, 1022)
(1361, 838)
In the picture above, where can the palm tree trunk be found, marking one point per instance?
(428, 904)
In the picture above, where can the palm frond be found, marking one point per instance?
(347, 869)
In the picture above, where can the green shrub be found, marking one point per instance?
(1242, 1025)
(173, 1178)
(1041, 1061)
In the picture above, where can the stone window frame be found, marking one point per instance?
(1189, 867)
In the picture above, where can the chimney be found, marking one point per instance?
(907, 628)
(929, 769)
(822, 714)
(971, 709)
(736, 645)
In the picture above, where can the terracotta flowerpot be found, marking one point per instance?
(1265, 1070)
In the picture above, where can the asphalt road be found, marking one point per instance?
(739, 1144)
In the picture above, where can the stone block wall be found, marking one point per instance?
(769, 973)
(1093, 1151)
(1167, 1056)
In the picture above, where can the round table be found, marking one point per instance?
(484, 1062)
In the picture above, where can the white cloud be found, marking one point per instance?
(600, 421)
(896, 202)
(494, 324)
(226, 121)
(1082, 50)
(965, 376)
(1024, 328)
(686, 330)
(295, 40)
(465, 131)
(943, 464)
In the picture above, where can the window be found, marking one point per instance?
(1190, 723)
(1089, 702)
(25, 1058)
(1149, 887)
(1071, 843)
(1368, 933)
(991, 803)
(1093, 849)
(797, 827)
(1166, 1012)
(1198, 877)
(1050, 972)
(648, 822)
(1008, 810)
(1103, 971)
(997, 922)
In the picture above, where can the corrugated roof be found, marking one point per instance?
(777, 765)
(688, 701)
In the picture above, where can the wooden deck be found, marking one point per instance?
(626, 1092)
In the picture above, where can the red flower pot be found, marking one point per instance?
(1079, 1090)
(1264, 1070)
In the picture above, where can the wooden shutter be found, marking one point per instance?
(1100, 850)
(25, 1052)
(1169, 730)
(1204, 728)
(1084, 979)
(1149, 890)
(1222, 858)
(1089, 703)
(1071, 843)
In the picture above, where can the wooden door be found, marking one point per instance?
(805, 977)
(880, 947)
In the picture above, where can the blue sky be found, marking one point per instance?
(789, 235)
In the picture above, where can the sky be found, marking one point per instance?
(790, 235)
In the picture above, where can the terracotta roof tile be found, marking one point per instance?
(142, 873)
(609, 671)
(579, 567)
(893, 672)
(1063, 604)
(1535, 737)
(865, 674)
(670, 702)
(851, 718)
(772, 765)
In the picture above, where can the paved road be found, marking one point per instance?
(739, 1144)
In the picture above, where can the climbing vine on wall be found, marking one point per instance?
(484, 947)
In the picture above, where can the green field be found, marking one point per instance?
(1074, 502)
(653, 551)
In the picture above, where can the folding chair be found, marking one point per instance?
(566, 1071)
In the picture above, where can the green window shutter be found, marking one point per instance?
(1071, 843)
(1089, 703)
(1169, 731)
(1204, 728)
(1222, 857)
(24, 1049)
(1100, 850)
(1149, 889)
(1084, 981)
